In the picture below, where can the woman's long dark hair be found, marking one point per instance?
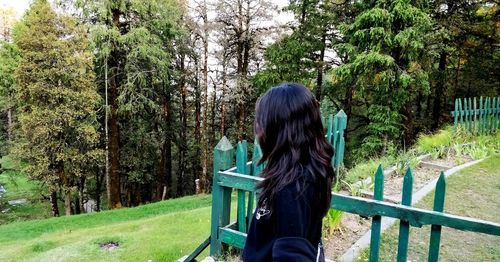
(290, 133)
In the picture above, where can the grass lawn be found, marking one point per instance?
(162, 231)
(474, 192)
(19, 187)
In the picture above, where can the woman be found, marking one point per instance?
(296, 190)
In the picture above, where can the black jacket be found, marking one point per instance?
(292, 232)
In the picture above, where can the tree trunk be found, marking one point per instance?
(67, 202)
(81, 188)
(223, 99)
(319, 77)
(436, 109)
(204, 176)
(9, 124)
(98, 188)
(167, 146)
(183, 120)
(113, 181)
(212, 115)
(53, 204)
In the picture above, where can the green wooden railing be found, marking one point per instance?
(477, 115)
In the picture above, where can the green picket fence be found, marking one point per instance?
(477, 115)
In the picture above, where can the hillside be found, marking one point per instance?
(161, 231)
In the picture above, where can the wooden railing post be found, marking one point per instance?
(256, 170)
(404, 226)
(340, 121)
(221, 196)
(378, 194)
(241, 167)
(435, 240)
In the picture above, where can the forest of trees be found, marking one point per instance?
(122, 101)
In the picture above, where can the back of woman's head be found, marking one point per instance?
(290, 133)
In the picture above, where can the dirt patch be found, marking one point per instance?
(351, 229)
(451, 161)
(109, 246)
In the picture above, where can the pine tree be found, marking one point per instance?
(385, 64)
(58, 100)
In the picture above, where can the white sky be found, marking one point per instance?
(21, 5)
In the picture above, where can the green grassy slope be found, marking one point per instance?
(161, 231)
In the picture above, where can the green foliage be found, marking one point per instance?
(459, 143)
(384, 45)
(429, 143)
(58, 129)
(332, 220)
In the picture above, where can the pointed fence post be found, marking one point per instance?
(221, 196)
(256, 170)
(241, 168)
(404, 226)
(481, 115)
(455, 115)
(474, 127)
(340, 121)
(378, 194)
(436, 229)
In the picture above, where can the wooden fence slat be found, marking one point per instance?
(455, 115)
(481, 115)
(241, 166)
(221, 197)
(471, 112)
(493, 115)
(487, 114)
(329, 129)
(256, 170)
(340, 125)
(404, 226)
(497, 114)
(475, 116)
(461, 112)
(435, 240)
(466, 114)
(378, 194)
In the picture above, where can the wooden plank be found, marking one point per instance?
(470, 115)
(498, 113)
(435, 240)
(415, 216)
(237, 181)
(339, 142)
(196, 252)
(223, 158)
(404, 226)
(378, 194)
(455, 115)
(466, 119)
(461, 112)
(486, 114)
(494, 115)
(329, 130)
(475, 116)
(241, 167)
(232, 237)
(481, 127)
